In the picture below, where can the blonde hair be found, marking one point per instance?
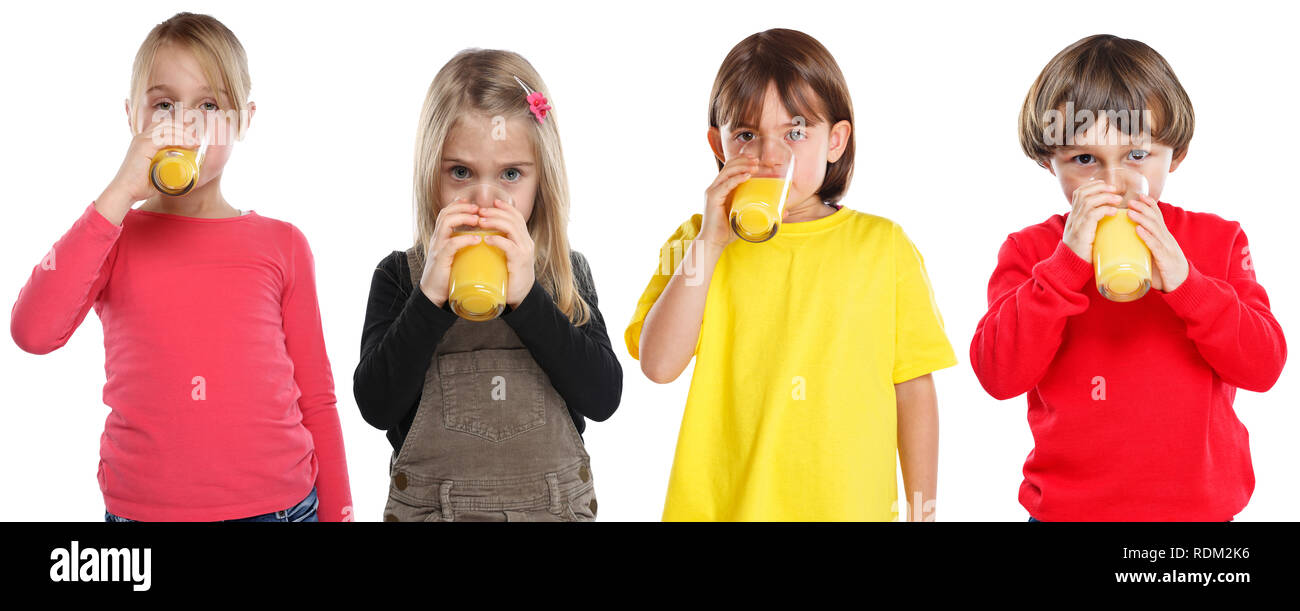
(484, 81)
(218, 52)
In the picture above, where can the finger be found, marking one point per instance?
(1153, 243)
(1095, 185)
(1101, 199)
(503, 209)
(512, 250)
(737, 165)
(512, 228)
(447, 248)
(451, 221)
(457, 207)
(730, 184)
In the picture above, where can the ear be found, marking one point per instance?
(1049, 165)
(838, 141)
(1178, 159)
(130, 120)
(715, 143)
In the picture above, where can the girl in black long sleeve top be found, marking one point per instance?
(486, 418)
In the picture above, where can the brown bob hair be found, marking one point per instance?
(1104, 74)
(807, 79)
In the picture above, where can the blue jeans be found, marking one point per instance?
(304, 511)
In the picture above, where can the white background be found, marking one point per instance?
(936, 88)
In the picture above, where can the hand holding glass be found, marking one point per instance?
(477, 289)
(758, 203)
(1121, 259)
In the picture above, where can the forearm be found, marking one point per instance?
(1234, 331)
(671, 329)
(64, 285)
(333, 488)
(113, 205)
(1019, 336)
(578, 360)
(395, 357)
(918, 445)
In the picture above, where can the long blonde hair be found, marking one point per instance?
(218, 52)
(483, 81)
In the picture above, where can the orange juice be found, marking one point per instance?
(175, 171)
(478, 279)
(1121, 259)
(756, 208)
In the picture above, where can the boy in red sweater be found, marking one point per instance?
(1130, 403)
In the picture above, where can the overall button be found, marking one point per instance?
(388, 517)
(399, 480)
(584, 474)
(593, 506)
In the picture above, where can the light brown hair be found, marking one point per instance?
(807, 79)
(483, 81)
(1105, 73)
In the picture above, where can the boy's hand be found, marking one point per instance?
(1171, 267)
(1092, 201)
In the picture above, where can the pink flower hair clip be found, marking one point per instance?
(536, 101)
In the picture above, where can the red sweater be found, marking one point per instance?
(220, 388)
(1130, 404)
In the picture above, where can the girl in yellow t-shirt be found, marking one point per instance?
(813, 348)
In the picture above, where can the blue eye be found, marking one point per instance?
(511, 174)
(460, 172)
(1138, 155)
(797, 134)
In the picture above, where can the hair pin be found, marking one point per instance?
(537, 103)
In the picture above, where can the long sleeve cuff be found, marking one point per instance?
(1192, 294)
(1066, 269)
(429, 315)
(528, 309)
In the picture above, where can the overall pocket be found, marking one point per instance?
(492, 394)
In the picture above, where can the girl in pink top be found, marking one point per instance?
(220, 388)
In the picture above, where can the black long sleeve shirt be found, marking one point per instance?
(403, 328)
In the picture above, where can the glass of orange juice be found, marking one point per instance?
(757, 203)
(174, 170)
(1121, 259)
(477, 288)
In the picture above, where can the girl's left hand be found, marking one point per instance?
(1167, 258)
(516, 244)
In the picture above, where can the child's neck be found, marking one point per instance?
(810, 209)
(204, 202)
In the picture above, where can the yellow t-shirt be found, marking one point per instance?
(791, 413)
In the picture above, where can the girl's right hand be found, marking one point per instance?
(1091, 202)
(716, 228)
(132, 182)
(436, 277)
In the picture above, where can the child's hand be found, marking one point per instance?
(436, 277)
(132, 183)
(1092, 201)
(716, 229)
(516, 243)
(1171, 267)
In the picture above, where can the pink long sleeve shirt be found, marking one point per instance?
(221, 392)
